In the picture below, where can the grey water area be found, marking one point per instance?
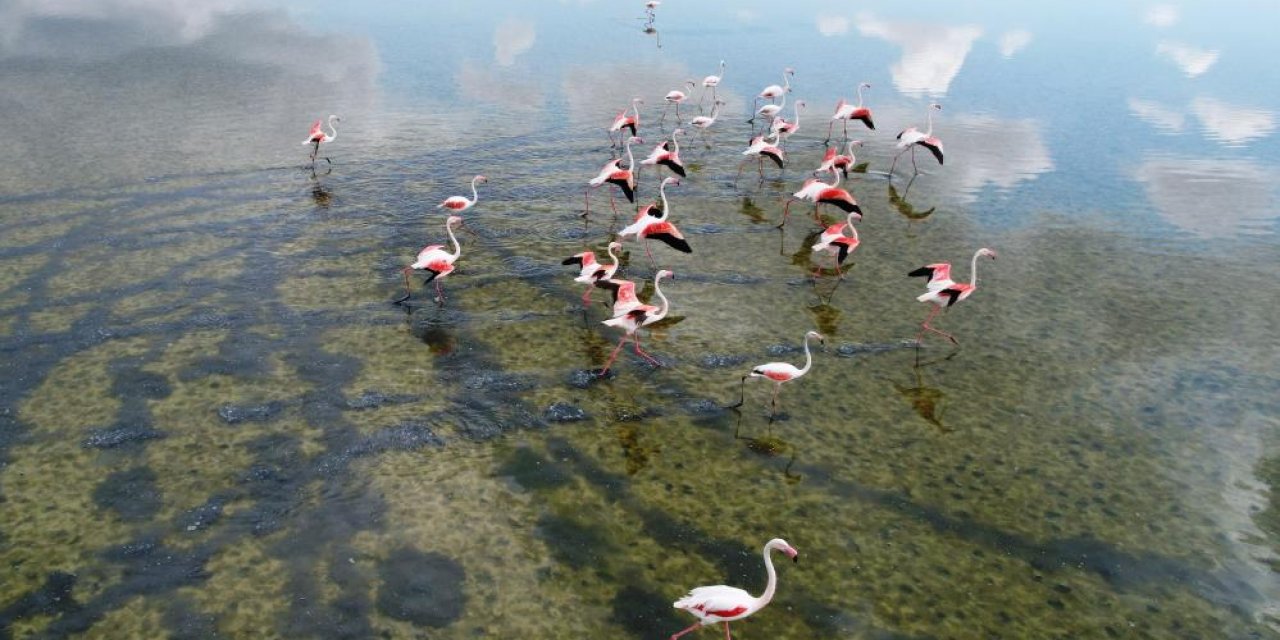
(216, 422)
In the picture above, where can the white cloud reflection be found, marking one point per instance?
(1014, 41)
(1232, 125)
(1161, 15)
(512, 38)
(931, 54)
(1157, 115)
(833, 25)
(1210, 198)
(1192, 60)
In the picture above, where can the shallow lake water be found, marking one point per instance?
(215, 422)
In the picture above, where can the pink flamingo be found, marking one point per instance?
(667, 154)
(592, 272)
(780, 372)
(318, 136)
(944, 293)
(705, 122)
(437, 262)
(834, 195)
(761, 148)
(844, 163)
(624, 295)
(838, 245)
(810, 190)
(676, 97)
(770, 111)
(613, 173)
(774, 91)
(711, 82)
(729, 604)
(459, 204)
(911, 137)
(783, 129)
(847, 112)
(651, 222)
(640, 316)
(624, 121)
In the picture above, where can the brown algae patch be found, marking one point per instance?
(189, 249)
(16, 269)
(392, 361)
(246, 590)
(60, 318)
(138, 617)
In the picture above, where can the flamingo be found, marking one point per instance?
(771, 111)
(761, 148)
(780, 372)
(842, 162)
(624, 121)
(945, 293)
(667, 154)
(640, 316)
(784, 129)
(676, 97)
(318, 136)
(730, 604)
(437, 262)
(651, 222)
(810, 190)
(834, 242)
(712, 82)
(774, 91)
(705, 122)
(847, 112)
(910, 137)
(593, 272)
(836, 196)
(611, 172)
(461, 203)
(624, 295)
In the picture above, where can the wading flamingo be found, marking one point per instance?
(780, 372)
(624, 295)
(711, 82)
(437, 262)
(318, 136)
(459, 204)
(640, 316)
(834, 195)
(842, 162)
(592, 272)
(770, 111)
(652, 222)
(834, 242)
(705, 122)
(774, 91)
(676, 97)
(911, 137)
(847, 112)
(810, 190)
(611, 172)
(761, 148)
(667, 154)
(624, 121)
(721, 604)
(946, 293)
(784, 129)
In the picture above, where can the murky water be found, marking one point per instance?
(214, 422)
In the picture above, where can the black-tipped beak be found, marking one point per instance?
(796, 558)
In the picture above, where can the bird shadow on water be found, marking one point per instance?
(926, 401)
(430, 324)
(769, 446)
(905, 209)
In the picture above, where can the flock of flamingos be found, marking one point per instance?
(719, 603)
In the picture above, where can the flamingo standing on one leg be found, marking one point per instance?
(652, 222)
(459, 204)
(911, 137)
(711, 82)
(847, 112)
(437, 262)
(842, 162)
(641, 316)
(945, 295)
(613, 173)
(761, 148)
(774, 91)
(834, 242)
(318, 136)
(780, 372)
(667, 154)
(676, 97)
(721, 604)
(592, 272)
(624, 121)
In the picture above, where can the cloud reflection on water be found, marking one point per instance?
(1157, 115)
(1212, 198)
(932, 54)
(1192, 60)
(512, 38)
(1014, 41)
(1232, 125)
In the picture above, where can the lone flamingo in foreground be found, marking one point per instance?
(613, 173)
(461, 203)
(779, 372)
(847, 112)
(592, 272)
(624, 121)
(834, 242)
(652, 222)
(318, 136)
(944, 293)
(437, 262)
(911, 137)
(641, 316)
(728, 604)
(711, 82)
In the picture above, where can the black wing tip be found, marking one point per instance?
(953, 294)
(777, 159)
(679, 244)
(573, 260)
(921, 272)
(677, 169)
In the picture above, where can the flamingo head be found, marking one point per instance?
(677, 132)
(480, 179)
(637, 101)
(800, 104)
(821, 338)
(854, 215)
(855, 143)
(783, 545)
(990, 253)
(789, 71)
(865, 85)
(691, 83)
(721, 102)
(671, 180)
(615, 245)
(452, 220)
(936, 107)
(333, 118)
(635, 140)
(665, 273)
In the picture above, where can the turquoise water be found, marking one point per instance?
(215, 421)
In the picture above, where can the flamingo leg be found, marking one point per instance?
(407, 293)
(774, 403)
(740, 166)
(586, 195)
(742, 393)
(914, 168)
(924, 326)
(586, 295)
(677, 113)
(829, 125)
(786, 211)
(653, 263)
(726, 632)
(835, 262)
(760, 167)
(613, 202)
(691, 628)
(895, 162)
(613, 356)
(846, 130)
(315, 149)
(439, 293)
(635, 340)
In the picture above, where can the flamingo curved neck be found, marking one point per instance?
(796, 109)
(786, 82)
(848, 151)
(662, 312)
(859, 96)
(836, 174)
(782, 105)
(333, 131)
(631, 161)
(808, 363)
(929, 118)
(613, 257)
(772, 585)
(853, 229)
(457, 248)
(973, 270)
(635, 108)
(666, 211)
(676, 143)
(474, 195)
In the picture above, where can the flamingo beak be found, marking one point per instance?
(795, 555)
